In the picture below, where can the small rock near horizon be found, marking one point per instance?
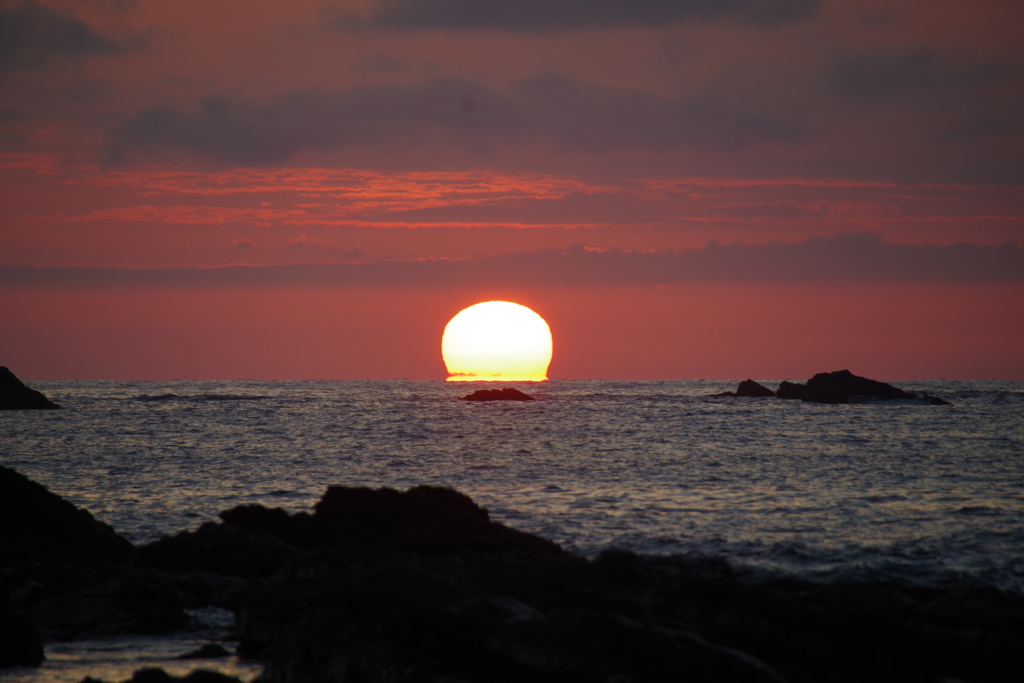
(748, 388)
(506, 394)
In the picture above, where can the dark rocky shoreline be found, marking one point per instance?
(387, 586)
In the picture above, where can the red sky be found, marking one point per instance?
(681, 188)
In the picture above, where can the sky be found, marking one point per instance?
(682, 188)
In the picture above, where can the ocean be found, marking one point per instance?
(918, 494)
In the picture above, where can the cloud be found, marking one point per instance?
(318, 244)
(32, 33)
(450, 113)
(973, 127)
(548, 15)
(862, 257)
(886, 74)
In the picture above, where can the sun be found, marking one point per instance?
(496, 341)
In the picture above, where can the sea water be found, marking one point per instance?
(919, 494)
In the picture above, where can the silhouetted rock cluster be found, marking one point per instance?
(66, 576)
(748, 388)
(14, 395)
(382, 586)
(506, 394)
(841, 386)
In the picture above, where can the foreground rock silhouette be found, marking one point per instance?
(506, 394)
(42, 526)
(14, 395)
(382, 586)
(843, 386)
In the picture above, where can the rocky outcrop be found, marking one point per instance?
(219, 550)
(42, 526)
(14, 395)
(506, 394)
(422, 585)
(843, 386)
(384, 586)
(99, 601)
(69, 576)
(792, 391)
(748, 388)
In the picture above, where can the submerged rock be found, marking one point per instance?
(842, 385)
(506, 394)
(748, 388)
(14, 395)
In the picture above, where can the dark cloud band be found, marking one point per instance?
(881, 75)
(547, 15)
(451, 113)
(850, 257)
(31, 33)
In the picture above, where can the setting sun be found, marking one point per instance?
(496, 341)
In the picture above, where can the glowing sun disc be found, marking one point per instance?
(496, 341)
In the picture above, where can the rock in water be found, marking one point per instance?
(14, 395)
(842, 385)
(506, 394)
(793, 391)
(748, 388)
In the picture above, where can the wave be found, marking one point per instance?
(199, 398)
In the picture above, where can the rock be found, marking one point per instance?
(574, 644)
(422, 585)
(217, 549)
(748, 388)
(41, 526)
(72, 574)
(122, 601)
(14, 395)
(379, 585)
(842, 386)
(19, 638)
(506, 394)
(792, 391)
